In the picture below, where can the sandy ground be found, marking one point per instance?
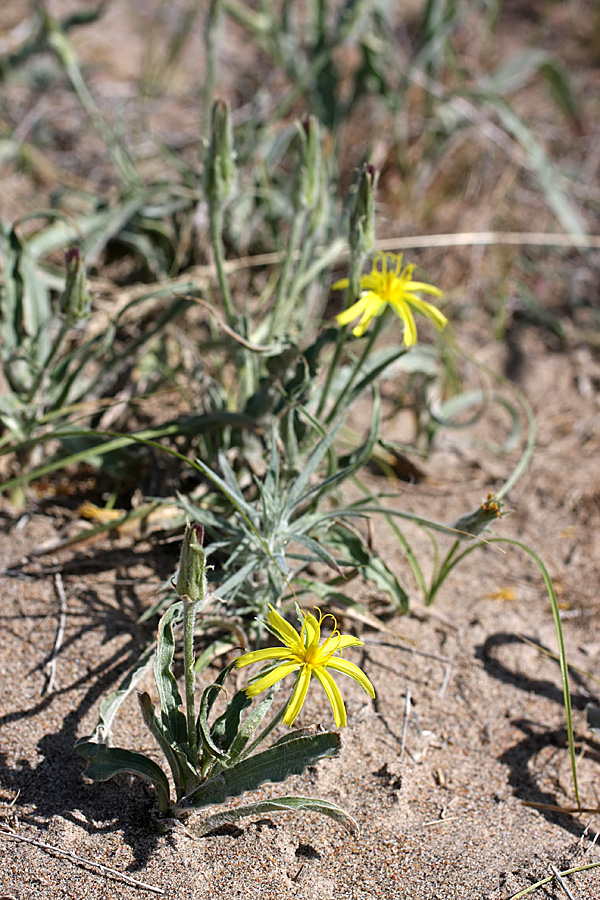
(468, 721)
(438, 794)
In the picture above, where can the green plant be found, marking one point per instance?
(213, 761)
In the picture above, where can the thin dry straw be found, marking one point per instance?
(460, 239)
(472, 238)
(538, 884)
(184, 284)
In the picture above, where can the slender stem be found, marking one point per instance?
(564, 669)
(58, 340)
(189, 618)
(63, 49)
(353, 292)
(341, 340)
(442, 572)
(215, 213)
(373, 335)
(284, 278)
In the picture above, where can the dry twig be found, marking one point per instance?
(79, 860)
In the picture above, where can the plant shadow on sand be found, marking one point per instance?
(521, 756)
(55, 786)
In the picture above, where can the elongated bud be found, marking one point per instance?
(75, 301)
(191, 578)
(306, 193)
(362, 219)
(220, 161)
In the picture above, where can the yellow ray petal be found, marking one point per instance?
(429, 310)
(329, 646)
(348, 640)
(312, 630)
(334, 697)
(341, 284)
(374, 305)
(410, 329)
(260, 655)
(349, 668)
(271, 678)
(353, 312)
(298, 697)
(424, 288)
(286, 632)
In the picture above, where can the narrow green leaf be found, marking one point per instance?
(225, 728)
(249, 726)
(552, 181)
(378, 571)
(209, 695)
(314, 547)
(379, 363)
(313, 462)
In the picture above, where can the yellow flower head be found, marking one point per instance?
(391, 284)
(303, 653)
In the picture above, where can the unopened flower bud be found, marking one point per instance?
(362, 219)
(306, 194)
(75, 301)
(191, 578)
(474, 523)
(220, 161)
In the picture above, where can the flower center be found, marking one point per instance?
(312, 655)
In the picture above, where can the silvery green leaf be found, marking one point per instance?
(593, 718)
(283, 759)
(209, 695)
(170, 699)
(281, 804)
(249, 726)
(105, 762)
(224, 729)
(185, 776)
(110, 705)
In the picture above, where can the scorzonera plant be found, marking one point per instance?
(214, 757)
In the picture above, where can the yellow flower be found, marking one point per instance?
(302, 653)
(391, 285)
(89, 510)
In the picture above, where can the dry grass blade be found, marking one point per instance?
(60, 633)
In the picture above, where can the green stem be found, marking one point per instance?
(215, 213)
(341, 340)
(62, 333)
(284, 278)
(352, 294)
(373, 335)
(442, 572)
(189, 619)
(65, 53)
(562, 653)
